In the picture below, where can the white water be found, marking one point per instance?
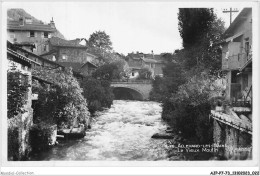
(121, 133)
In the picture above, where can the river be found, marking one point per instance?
(121, 133)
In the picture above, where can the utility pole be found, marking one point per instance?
(230, 11)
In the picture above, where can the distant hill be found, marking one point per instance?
(15, 14)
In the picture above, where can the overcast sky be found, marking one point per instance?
(132, 26)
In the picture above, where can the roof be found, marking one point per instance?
(32, 54)
(152, 60)
(89, 63)
(56, 41)
(49, 52)
(21, 57)
(76, 66)
(14, 25)
(241, 17)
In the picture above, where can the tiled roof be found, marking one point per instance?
(55, 41)
(14, 25)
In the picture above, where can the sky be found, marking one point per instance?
(132, 26)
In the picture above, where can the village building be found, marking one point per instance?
(233, 121)
(136, 61)
(69, 53)
(28, 33)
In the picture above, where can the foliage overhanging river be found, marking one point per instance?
(121, 133)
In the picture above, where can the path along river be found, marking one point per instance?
(121, 133)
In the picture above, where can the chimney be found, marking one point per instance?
(152, 54)
(21, 21)
(52, 23)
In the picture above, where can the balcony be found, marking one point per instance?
(236, 62)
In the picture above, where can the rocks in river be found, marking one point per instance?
(162, 136)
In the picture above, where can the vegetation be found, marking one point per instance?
(101, 40)
(114, 70)
(97, 88)
(98, 93)
(145, 73)
(189, 80)
(62, 103)
(17, 87)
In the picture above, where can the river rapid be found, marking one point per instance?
(121, 133)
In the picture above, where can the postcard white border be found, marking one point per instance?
(111, 164)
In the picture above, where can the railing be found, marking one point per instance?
(236, 61)
(129, 81)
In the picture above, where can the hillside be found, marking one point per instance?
(15, 14)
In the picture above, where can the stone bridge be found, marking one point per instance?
(132, 90)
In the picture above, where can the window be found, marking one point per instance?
(45, 34)
(64, 57)
(247, 47)
(32, 34)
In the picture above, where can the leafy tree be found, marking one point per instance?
(200, 30)
(193, 24)
(101, 40)
(114, 70)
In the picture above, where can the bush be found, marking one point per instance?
(62, 103)
(98, 93)
(188, 109)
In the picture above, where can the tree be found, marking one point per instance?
(98, 93)
(200, 31)
(114, 70)
(193, 24)
(100, 40)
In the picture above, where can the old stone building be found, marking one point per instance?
(28, 33)
(69, 53)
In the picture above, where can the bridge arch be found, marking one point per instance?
(137, 90)
(127, 93)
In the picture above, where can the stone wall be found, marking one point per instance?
(74, 55)
(237, 143)
(143, 88)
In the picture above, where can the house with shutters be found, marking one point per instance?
(232, 118)
(28, 33)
